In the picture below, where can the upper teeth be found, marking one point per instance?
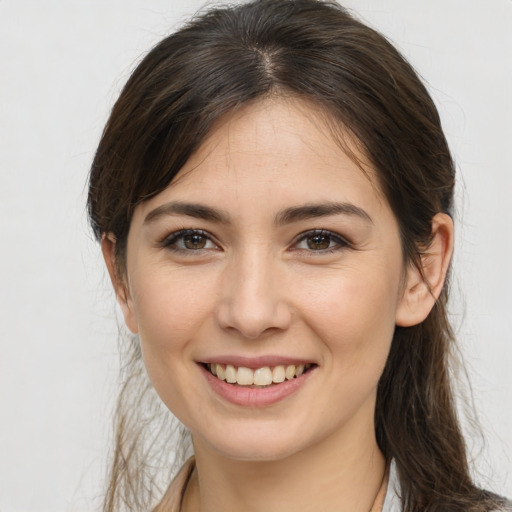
(260, 377)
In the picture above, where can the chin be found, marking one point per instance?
(252, 451)
(258, 443)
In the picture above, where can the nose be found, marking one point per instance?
(253, 299)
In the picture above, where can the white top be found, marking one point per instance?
(392, 501)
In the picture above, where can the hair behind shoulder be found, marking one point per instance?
(315, 50)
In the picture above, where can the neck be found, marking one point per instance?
(340, 473)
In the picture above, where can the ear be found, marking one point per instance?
(423, 285)
(108, 248)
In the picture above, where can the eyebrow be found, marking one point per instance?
(287, 216)
(309, 211)
(198, 211)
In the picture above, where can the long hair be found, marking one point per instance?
(313, 50)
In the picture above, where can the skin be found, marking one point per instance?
(259, 287)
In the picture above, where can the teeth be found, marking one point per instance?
(245, 376)
(278, 375)
(263, 376)
(260, 377)
(230, 374)
(290, 372)
(221, 374)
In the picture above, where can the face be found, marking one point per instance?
(265, 283)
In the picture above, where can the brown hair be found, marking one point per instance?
(315, 50)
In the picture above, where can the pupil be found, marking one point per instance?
(195, 241)
(318, 242)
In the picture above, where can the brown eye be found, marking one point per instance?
(321, 241)
(318, 242)
(189, 240)
(195, 241)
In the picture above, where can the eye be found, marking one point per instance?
(320, 240)
(189, 240)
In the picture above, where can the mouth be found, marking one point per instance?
(264, 377)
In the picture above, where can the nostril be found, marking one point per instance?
(253, 318)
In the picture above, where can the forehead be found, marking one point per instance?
(271, 151)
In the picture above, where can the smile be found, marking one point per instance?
(259, 377)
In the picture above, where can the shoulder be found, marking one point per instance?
(393, 503)
(171, 501)
(504, 505)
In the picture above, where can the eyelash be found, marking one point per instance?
(340, 242)
(171, 241)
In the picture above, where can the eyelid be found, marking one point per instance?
(341, 241)
(172, 238)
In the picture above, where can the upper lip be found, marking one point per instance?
(256, 362)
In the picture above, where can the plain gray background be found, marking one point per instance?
(62, 64)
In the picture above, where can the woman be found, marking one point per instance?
(273, 196)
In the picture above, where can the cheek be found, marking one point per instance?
(353, 312)
(170, 307)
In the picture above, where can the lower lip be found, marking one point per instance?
(255, 397)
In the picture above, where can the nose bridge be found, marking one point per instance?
(253, 299)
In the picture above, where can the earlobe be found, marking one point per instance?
(108, 248)
(423, 285)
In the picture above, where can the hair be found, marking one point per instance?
(316, 51)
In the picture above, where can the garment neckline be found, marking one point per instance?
(173, 498)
